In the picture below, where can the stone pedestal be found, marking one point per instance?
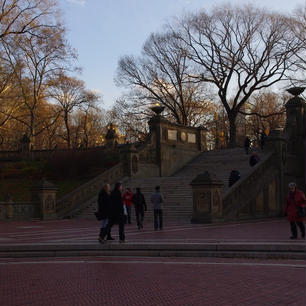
(207, 198)
(45, 193)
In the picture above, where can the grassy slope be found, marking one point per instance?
(66, 171)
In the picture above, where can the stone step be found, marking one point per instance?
(177, 189)
(210, 249)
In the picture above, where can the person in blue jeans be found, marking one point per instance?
(157, 199)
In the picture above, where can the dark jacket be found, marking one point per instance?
(233, 178)
(247, 142)
(254, 159)
(139, 202)
(116, 207)
(103, 204)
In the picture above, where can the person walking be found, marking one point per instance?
(254, 159)
(103, 212)
(234, 177)
(157, 199)
(295, 200)
(247, 144)
(262, 140)
(140, 207)
(127, 201)
(116, 211)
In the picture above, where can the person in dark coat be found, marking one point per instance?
(116, 211)
(254, 159)
(140, 207)
(262, 140)
(247, 144)
(295, 198)
(103, 210)
(234, 177)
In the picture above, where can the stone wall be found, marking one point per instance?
(173, 145)
(39, 154)
(19, 210)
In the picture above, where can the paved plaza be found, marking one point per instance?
(86, 231)
(149, 280)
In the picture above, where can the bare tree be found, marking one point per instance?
(297, 24)
(267, 111)
(240, 51)
(19, 17)
(35, 61)
(162, 74)
(132, 123)
(70, 93)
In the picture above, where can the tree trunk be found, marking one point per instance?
(66, 120)
(232, 122)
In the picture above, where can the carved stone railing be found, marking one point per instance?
(256, 195)
(77, 198)
(19, 210)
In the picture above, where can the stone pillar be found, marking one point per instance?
(155, 124)
(276, 143)
(295, 135)
(207, 198)
(129, 157)
(45, 193)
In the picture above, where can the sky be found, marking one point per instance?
(102, 31)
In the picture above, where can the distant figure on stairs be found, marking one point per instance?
(157, 199)
(234, 177)
(262, 140)
(254, 159)
(247, 144)
(140, 207)
(127, 201)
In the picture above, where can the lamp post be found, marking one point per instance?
(157, 109)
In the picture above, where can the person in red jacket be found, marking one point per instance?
(295, 198)
(127, 201)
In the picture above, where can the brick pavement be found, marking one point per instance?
(133, 281)
(151, 281)
(62, 231)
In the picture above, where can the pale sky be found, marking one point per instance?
(104, 30)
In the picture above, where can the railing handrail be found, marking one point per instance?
(254, 169)
(239, 186)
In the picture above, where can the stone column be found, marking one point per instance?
(129, 157)
(207, 198)
(45, 193)
(295, 135)
(155, 124)
(276, 143)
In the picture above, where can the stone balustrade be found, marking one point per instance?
(76, 199)
(257, 195)
(19, 210)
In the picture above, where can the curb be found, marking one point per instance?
(225, 250)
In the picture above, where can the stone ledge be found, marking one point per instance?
(226, 250)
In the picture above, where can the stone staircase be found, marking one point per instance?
(177, 189)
